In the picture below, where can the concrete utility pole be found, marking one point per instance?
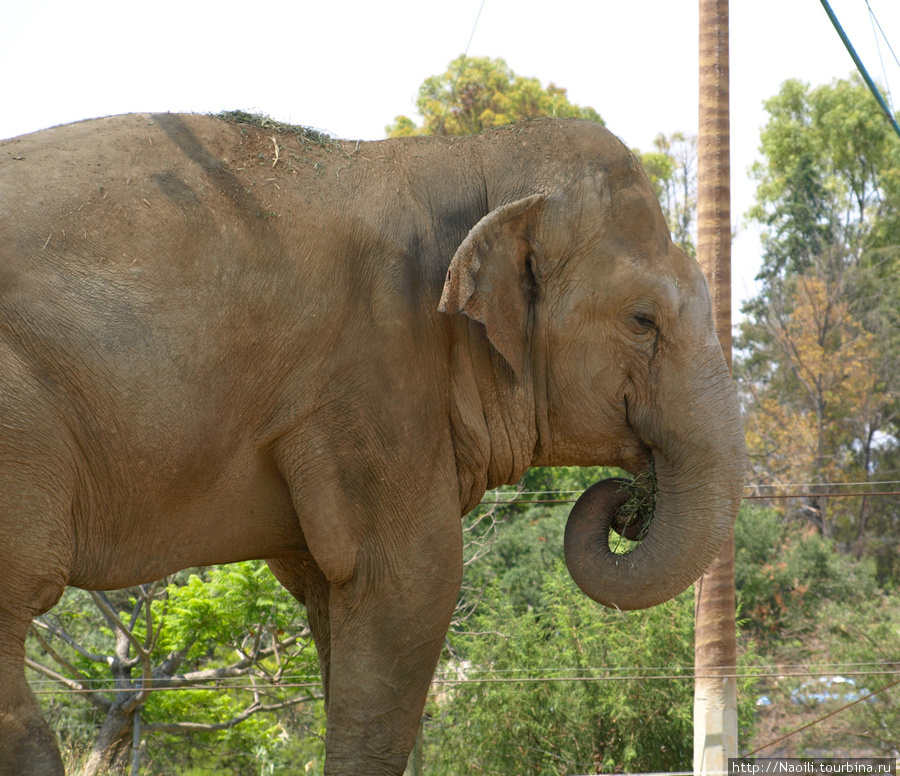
(715, 651)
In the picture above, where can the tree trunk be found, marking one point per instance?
(111, 752)
(415, 764)
(715, 688)
(136, 743)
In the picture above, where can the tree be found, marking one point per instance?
(787, 573)
(672, 170)
(817, 367)
(127, 653)
(480, 93)
(830, 176)
(817, 398)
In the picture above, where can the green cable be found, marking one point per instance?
(861, 67)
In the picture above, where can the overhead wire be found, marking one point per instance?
(867, 695)
(834, 484)
(758, 496)
(876, 93)
(781, 669)
(462, 64)
(497, 493)
(876, 23)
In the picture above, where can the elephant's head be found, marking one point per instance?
(582, 291)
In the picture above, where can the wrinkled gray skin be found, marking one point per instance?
(210, 354)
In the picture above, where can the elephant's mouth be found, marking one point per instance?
(632, 519)
(634, 453)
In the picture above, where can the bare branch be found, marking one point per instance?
(147, 594)
(62, 634)
(99, 700)
(109, 612)
(112, 617)
(240, 668)
(53, 654)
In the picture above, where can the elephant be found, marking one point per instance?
(224, 339)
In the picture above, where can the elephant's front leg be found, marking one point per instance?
(388, 625)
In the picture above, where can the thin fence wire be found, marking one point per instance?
(748, 673)
(783, 669)
(497, 492)
(515, 496)
(756, 496)
(821, 719)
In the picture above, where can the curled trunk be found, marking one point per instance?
(668, 560)
(699, 480)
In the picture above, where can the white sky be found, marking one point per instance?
(350, 67)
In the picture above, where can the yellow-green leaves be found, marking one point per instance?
(480, 93)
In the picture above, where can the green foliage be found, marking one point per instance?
(516, 716)
(479, 93)
(830, 174)
(216, 617)
(786, 574)
(233, 624)
(251, 747)
(525, 540)
(527, 546)
(216, 605)
(801, 229)
(829, 181)
(568, 727)
(565, 481)
(74, 722)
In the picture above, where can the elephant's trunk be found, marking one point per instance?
(699, 476)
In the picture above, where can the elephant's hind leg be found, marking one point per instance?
(35, 562)
(33, 573)
(27, 746)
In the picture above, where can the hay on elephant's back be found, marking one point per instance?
(306, 134)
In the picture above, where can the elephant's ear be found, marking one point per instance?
(489, 279)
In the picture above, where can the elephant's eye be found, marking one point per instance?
(645, 322)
